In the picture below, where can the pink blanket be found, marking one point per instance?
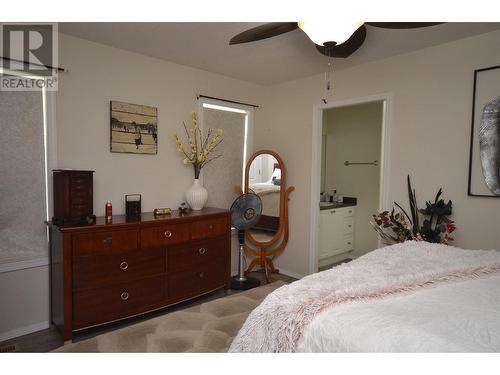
(278, 324)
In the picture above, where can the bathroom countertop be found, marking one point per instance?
(348, 202)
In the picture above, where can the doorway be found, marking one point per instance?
(349, 174)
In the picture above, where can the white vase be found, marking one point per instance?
(196, 195)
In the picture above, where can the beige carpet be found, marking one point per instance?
(208, 327)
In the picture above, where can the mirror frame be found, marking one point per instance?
(283, 197)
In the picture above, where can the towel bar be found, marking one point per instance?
(348, 163)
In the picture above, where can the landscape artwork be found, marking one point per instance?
(134, 128)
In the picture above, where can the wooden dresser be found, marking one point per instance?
(105, 272)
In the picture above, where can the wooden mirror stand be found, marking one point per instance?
(265, 251)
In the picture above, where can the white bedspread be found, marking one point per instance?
(441, 297)
(458, 317)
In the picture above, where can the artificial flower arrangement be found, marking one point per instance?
(398, 226)
(199, 148)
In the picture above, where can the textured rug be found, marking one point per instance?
(208, 327)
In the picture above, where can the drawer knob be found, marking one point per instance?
(201, 275)
(123, 266)
(350, 211)
(210, 226)
(107, 240)
(202, 250)
(124, 296)
(167, 234)
(349, 225)
(348, 243)
(332, 211)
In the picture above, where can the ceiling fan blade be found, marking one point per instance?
(265, 31)
(402, 25)
(347, 48)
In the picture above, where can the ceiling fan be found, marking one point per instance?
(335, 39)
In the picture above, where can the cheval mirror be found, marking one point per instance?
(265, 175)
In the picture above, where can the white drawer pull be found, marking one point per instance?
(167, 234)
(123, 266)
(202, 250)
(124, 296)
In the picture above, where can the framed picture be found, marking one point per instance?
(133, 128)
(484, 160)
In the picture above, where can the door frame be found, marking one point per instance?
(317, 127)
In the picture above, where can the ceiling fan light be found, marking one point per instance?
(323, 32)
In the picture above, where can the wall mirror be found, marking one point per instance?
(265, 175)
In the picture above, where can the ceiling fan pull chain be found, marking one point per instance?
(328, 88)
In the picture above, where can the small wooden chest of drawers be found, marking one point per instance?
(73, 196)
(105, 272)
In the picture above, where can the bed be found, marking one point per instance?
(410, 297)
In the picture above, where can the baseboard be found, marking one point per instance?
(24, 330)
(282, 271)
(290, 273)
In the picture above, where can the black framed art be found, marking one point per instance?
(484, 158)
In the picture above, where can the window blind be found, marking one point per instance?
(23, 236)
(222, 175)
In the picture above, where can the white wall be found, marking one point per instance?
(96, 75)
(431, 113)
(354, 134)
(25, 301)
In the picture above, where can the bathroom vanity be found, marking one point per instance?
(336, 228)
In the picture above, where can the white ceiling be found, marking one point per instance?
(204, 45)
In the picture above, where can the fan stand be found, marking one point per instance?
(240, 281)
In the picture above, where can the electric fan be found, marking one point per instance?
(245, 212)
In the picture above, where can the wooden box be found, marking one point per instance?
(73, 197)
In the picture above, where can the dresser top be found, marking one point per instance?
(146, 218)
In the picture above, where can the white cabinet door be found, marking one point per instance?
(329, 233)
(325, 235)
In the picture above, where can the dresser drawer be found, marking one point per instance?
(164, 235)
(348, 225)
(198, 280)
(208, 228)
(102, 305)
(184, 257)
(347, 211)
(347, 242)
(106, 269)
(105, 242)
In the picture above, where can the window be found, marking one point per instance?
(23, 190)
(221, 176)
